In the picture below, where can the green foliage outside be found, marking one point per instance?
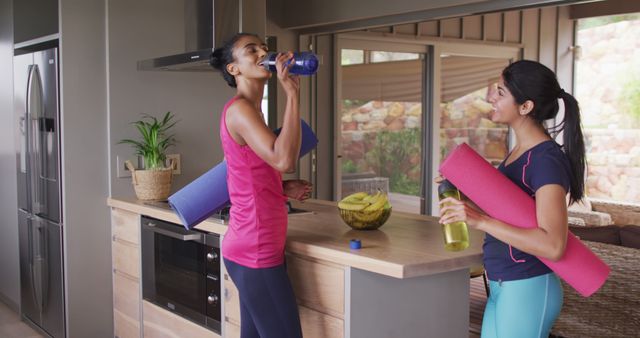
(155, 139)
(348, 167)
(605, 20)
(630, 98)
(396, 155)
(350, 104)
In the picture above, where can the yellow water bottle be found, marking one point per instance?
(456, 234)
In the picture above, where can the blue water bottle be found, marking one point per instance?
(305, 63)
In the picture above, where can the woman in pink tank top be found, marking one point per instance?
(253, 246)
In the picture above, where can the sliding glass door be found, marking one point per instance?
(380, 115)
(402, 107)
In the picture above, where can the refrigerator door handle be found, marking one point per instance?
(27, 141)
(44, 266)
(23, 144)
(35, 263)
(40, 266)
(35, 110)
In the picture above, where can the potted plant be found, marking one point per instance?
(154, 182)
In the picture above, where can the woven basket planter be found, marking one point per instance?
(151, 185)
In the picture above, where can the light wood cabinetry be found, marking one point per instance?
(319, 289)
(126, 258)
(125, 226)
(125, 251)
(126, 306)
(231, 330)
(231, 306)
(319, 325)
(318, 285)
(161, 323)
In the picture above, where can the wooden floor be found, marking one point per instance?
(12, 327)
(477, 301)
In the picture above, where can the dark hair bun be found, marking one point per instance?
(215, 60)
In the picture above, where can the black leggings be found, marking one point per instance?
(268, 306)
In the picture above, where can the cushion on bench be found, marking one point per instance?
(604, 234)
(630, 236)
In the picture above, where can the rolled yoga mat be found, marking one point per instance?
(209, 193)
(503, 200)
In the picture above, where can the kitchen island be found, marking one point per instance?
(401, 283)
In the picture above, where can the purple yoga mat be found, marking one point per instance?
(208, 193)
(503, 200)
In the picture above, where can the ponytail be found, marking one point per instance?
(573, 145)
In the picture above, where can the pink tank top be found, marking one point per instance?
(258, 216)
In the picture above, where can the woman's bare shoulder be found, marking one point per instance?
(242, 106)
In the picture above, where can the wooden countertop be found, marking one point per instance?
(405, 246)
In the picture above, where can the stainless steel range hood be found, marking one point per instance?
(208, 23)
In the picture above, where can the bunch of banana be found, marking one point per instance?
(361, 201)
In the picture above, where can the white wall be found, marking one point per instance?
(9, 254)
(141, 30)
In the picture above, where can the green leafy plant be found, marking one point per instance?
(394, 155)
(630, 100)
(349, 167)
(155, 139)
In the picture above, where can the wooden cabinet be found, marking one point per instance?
(126, 258)
(161, 323)
(231, 306)
(318, 285)
(319, 289)
(126, 306)
(125, 226)
(231, 330)
(319, 325)
(125, 251)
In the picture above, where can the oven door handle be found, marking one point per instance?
(167, 231)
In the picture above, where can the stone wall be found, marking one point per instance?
(467, 120)
(613, 164)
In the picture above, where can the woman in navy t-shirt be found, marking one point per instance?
(526, 296)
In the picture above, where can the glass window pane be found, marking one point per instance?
(264, 105)
(381, 130)
(352, 56)
(608, 90)
(381, 56)
(465, 113)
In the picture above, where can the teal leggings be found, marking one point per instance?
(525, 308)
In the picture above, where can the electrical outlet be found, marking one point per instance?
(122, 171)
(177, 165)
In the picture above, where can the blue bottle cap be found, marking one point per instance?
(355, 244)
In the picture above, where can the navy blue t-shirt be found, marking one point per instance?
(543, 164)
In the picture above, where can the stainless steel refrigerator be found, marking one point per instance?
(37, 125)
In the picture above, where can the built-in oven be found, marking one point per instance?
(181, 271)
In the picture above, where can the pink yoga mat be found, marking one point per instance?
(503, 200)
